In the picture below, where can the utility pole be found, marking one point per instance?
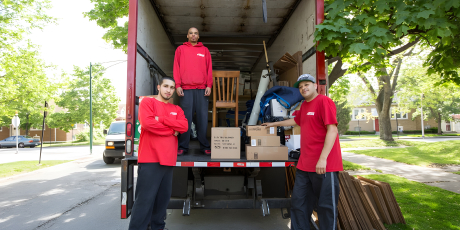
(90, 111)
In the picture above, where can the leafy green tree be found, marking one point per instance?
(439, 103)
(372, 35)
(75, 99)
(24, 87)
(18, 17)
(338, 92)
(107, 13)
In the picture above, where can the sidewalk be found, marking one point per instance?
(431, 176)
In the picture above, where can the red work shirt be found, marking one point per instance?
(157, 143)
(192, 67)
(312, 118)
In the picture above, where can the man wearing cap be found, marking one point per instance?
(317, 184)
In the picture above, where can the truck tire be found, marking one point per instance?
(108, 160)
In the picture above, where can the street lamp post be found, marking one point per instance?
(421, 115)
(16, 122)
(90, 111)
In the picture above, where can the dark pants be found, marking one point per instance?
(312, 190)
(192, 102)
(153, 191)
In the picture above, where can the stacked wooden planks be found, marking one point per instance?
(290, 178)
(363, 203)
(366, 204)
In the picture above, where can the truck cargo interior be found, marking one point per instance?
(234, 31)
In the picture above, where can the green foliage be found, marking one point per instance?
(367, 33)
(84, 135)
(107, 13)
(75, 99)
(343, 117)
(439, 102)
(25, 87)
(18, 17)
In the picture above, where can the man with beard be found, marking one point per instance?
(193, 76)
(161, 122)
(316, 184)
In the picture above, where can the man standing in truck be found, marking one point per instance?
(193, 76)
(316, 184)
(161, 122)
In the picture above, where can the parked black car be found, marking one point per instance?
(23, 141)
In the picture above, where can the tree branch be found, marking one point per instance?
(336, 72)
(366, 81)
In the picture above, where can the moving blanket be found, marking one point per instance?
(288, 97)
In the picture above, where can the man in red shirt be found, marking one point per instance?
(193, 76)
(161, 122)
(316, 184)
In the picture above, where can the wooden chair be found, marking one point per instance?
(225, 96)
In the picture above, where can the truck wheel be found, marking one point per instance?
(21, 145)
(108, 160)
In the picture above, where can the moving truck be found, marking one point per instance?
(233, 31)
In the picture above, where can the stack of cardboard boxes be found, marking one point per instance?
(264, 144)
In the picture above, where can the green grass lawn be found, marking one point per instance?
(423, 154)
(376, 143)
(423, 206)
(13, 168)
(358, 137)
(352, 166)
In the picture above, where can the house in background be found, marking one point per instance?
(121, 113)
(50, 135)
(57, 135)
(405, 121)
(451, 126)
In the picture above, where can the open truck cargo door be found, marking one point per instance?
(234, 32)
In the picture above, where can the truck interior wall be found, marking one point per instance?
(154, 40)
(296, 35)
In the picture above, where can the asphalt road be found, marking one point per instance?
(85, 194)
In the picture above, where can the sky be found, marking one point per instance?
(75, 40)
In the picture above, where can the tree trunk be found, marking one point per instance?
(385, 127)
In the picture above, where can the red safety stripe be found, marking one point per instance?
(290, 164)
(265, 164)
(123, 211)
(239, 164)
(213, 164)
(187, 164)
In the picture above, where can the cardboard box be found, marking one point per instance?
(279, 153)
(265, 141)
(292, 142)
(225, 143)
(258, 130)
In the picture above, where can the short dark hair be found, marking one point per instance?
(166, 78)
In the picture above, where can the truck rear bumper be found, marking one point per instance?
(234, 204)
(115, 153)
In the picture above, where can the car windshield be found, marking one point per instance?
(117, 128)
